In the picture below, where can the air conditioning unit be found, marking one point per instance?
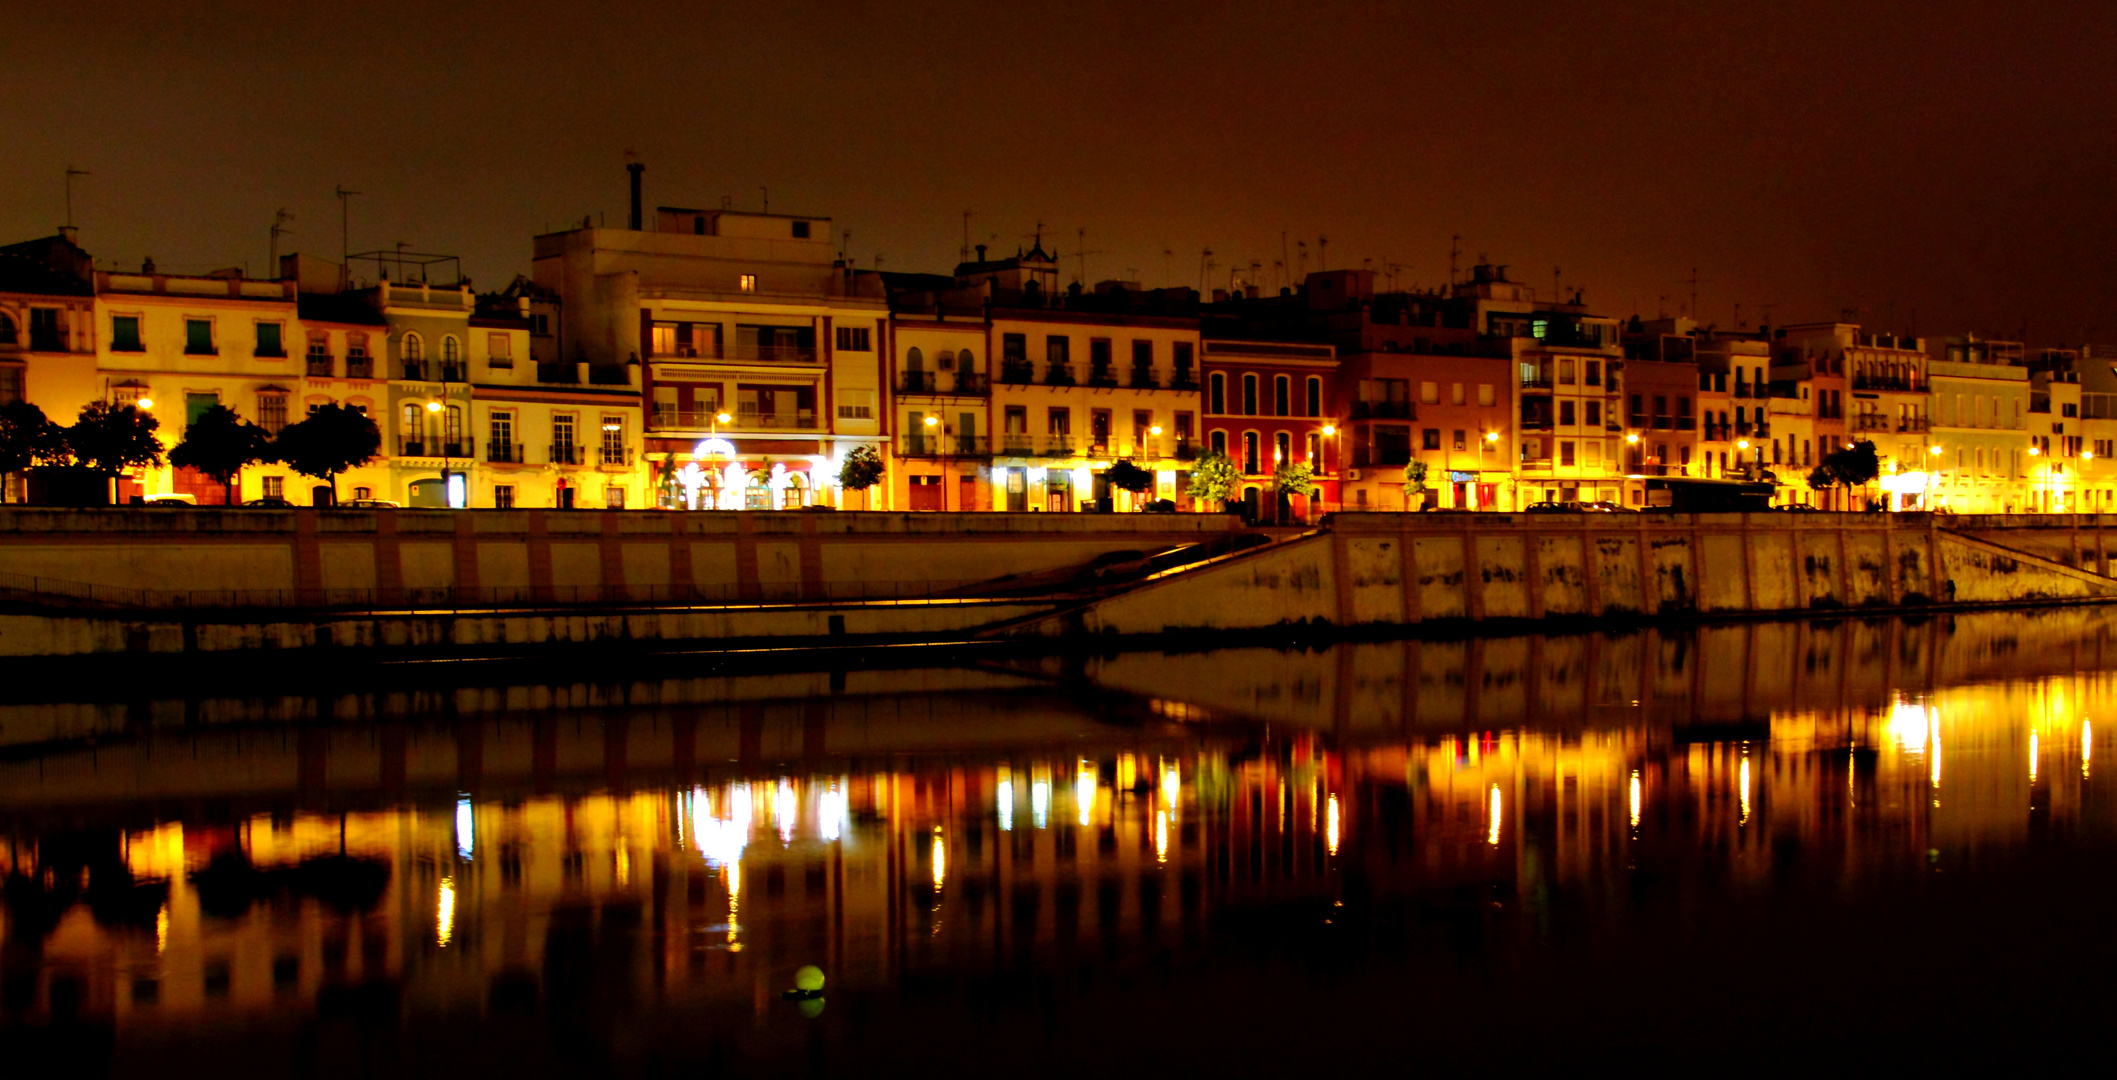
(1353, 475)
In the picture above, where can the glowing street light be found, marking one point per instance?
(1632, 437)
(433, 406)
(145, 403)
(1934, 450)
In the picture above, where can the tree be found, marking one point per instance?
(1414, 482)
(108, 439)
(862, 469)
(1295, 478)
(28, 437)
(219, 444)
(331, 440)
(1126, 476)
(1853, 467)
(1213, 478)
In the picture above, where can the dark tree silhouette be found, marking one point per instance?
(220, 444)
(108, 439)
(28, 437)
(1126, 476)
(329, 441)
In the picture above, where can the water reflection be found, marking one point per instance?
(690, 851)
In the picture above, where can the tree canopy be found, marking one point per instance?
(28, 437)
(109, 439)
(329, 441)
(1126, 476)
(862, 469)
(1852, 468)
(220, 444)
(1213, 477)
(1295, 478)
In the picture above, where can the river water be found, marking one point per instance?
(1848, 843)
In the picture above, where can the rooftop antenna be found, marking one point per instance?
(964, 254)
(1558, 291)
(1286, 255)
(1738, 315)
(1205, 266)
(280, 218)
(71, 172)
(1693, 282)
(1301, 246)
(1455, 251)
(1168, 264)
(1322, 253)
(345, 233)
(1767, 310)
(1081, 252)
(767, 197)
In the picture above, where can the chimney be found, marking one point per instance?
(71, 233)
(635, 168)
(981, 253)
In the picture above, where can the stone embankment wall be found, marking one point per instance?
(1399, 569)
(425, 557)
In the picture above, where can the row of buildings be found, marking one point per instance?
(717, 358)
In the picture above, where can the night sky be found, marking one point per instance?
(1939, 167)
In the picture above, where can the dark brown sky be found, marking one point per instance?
(1955, 160)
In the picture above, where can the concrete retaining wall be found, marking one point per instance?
(417, 556)
(1399, 569)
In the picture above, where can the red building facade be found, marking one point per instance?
(1272, 402)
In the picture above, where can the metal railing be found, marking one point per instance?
(1058, 375)
(1143, 378)
(414, 370)
(1912, 423)
(1872, 422)
(1017, 374)
(921, 445)
(359, 368)
(776, 354)
(565, 454)
(704, 420)
(505, 453)
(617, 456)
(322, 367)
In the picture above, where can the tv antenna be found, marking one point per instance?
(345, 232)
(1322, 253)
(280, 217)
(1455, 251)
(1692, 281)
(71, 172)
(1081, 253)
(964, 254)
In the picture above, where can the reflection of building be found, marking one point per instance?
(571, 855)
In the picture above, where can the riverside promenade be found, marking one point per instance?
(440, 583)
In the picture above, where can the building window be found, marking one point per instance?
(1594, 413)
(1462, 439)
(10, 385)
(1430, 393)
(7, 329)
(1455, 393)
(1218, 440)
(1249, 449)
(361, 494)
(1430, 439)
(499, 351)
(854, 339)
(1565, 413)
(414, 348)
(271, 340)
(272, 412)
(747, 283)
(46, 334)
(451, 350)
(502, 447)
(1485, 395)
(275, 487)
(503, 496)
(1313, 405)
(1249, 395)
(1282, 448)
(1594, 373)
(614, 440)
(801, 230)
(1315, 451)
(124, 334)
(1217, 394)
(563, 448)
(856, 404)
(613, 497)
(1282, 396)
(1565, 453)
(198, 337)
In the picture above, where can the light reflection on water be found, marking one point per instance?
(694, 852)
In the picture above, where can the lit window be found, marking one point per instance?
(748, 283)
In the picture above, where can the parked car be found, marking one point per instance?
(1592, 507)
(271, 504)
(171, 500)
(370, 504)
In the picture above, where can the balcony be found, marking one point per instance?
(1184, 380)
(359, 367)
(1017, 373)
(1056, 446)
(1872, 422)
(504, 453)
(1185, 450)
(775, 354)
(941, 383)
(1384, 410)
(1058, 375)
(1101, 375)
(615, 457)
(455, 373)
(1902, 384)
(414, 370)
(322, 366)
(668, 419)
(1143, 379)
(1742, 390)
(411, 447)
(565, 454)
(922, 445)
(1536, 382)
(1017, 444)
(1911, 423)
